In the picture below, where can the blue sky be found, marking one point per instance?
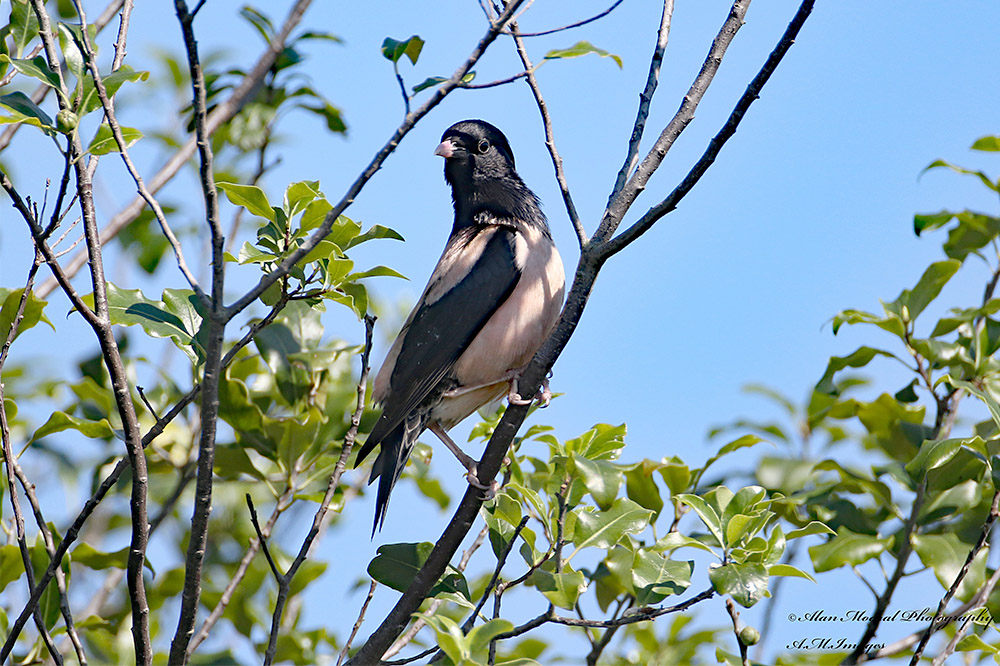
(807, 211)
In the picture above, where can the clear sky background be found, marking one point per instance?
(807, 211)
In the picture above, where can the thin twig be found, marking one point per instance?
(645, 98)
(615, 211)
(946, 599)
(550, 139)
(571, 25)
(357, 625)
(285, 580)
(116, 132)
(735, 616)
(639, 615)
(13, 471)
(261, 538)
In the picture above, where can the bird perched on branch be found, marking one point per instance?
(491, 301)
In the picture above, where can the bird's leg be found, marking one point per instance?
(490, 490)
(544, 395)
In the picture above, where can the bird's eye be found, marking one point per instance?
(483, 146)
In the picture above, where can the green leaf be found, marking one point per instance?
(987, 143)
(856, 359)
(602, 442)
(36, 68)
(480, 637)
(104, 141)
(846, 549)
(973, 643)
(92, 558)
(641, 487)
(655, 576)
(432, 81)
(746, 583)
(177, 317)
(330, 114)
(394, 50)
(788, 570)
(946, 555)
(60, 421)
(814, 527)
(449, 637)
(10, 301)
(985, 396)
(250, 197)
(70, 41)
(395, 564)
(932, 454)
(562, 589)
(375, 232)
(604, 528)
(91, 101)
(986, 180)
(24, 110)
(580, 49)
(377, 271)
(299, 195)
(23, 25)
(602, 479)
(707, 513)
(929, 286)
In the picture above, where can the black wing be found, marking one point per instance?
(439, 333)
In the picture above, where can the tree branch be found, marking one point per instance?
(638, 180)
(616, 210)
(946, 599)
(195, 557)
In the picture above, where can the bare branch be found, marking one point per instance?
(357, 625)
(616, 210)
(285, 581)
(550, 139)
(645, 98)
(571, 25)
(195, 556)
(638, 180)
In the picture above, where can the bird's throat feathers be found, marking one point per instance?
(503, 201)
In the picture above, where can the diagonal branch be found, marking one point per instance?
(616, 210)
(638, 180)
(109, 113)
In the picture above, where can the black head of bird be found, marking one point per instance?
(491, 301)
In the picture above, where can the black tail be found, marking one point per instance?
(394, 452)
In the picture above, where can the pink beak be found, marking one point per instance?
(445, 149)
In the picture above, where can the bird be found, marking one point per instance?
(491, 301)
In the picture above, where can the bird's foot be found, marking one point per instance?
(489, 489)
(543, 396)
